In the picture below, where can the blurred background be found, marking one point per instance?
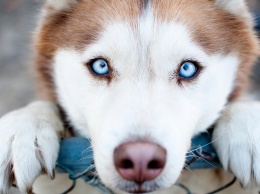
(18, 19)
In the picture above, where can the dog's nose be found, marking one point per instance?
(139, 161)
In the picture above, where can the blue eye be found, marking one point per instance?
(188, 70)
(100, 67)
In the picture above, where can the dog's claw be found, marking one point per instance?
(44, 171)
(11, 179)
(52, 175)
(29, 190)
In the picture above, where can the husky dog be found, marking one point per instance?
(139, 78)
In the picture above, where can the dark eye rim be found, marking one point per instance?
(107, 76)
(199, 67)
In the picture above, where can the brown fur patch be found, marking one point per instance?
(211, 27)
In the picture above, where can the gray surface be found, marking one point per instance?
(17, 19)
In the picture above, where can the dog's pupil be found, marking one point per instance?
(103, 65)
(186, 67)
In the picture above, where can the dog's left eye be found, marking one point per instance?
(100, 67)
(188, 70)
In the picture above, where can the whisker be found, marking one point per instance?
(208, 143)
(188, 168)
(199, 157)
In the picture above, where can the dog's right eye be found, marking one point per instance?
(99, 67)
(188, 70)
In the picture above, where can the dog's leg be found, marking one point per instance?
(237, 141)
(29, 145)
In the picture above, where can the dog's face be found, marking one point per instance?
(144, 71)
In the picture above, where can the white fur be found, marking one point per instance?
(233, 6)
(236, 139)
(236, 7)
(143, 101)
(59, 5)
(20, 129)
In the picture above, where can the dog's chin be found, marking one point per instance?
(134, 188)
(139, 190)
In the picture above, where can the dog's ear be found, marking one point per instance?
(60, 5)
(236, 7)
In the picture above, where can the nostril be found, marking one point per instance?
(126, 164)
(155, 164)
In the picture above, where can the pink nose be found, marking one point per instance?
(139, 161)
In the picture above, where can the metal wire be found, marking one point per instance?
(184, 188)
(224, 187)
(74, 182)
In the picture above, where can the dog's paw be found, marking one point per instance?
(29, 145)
(237, 141)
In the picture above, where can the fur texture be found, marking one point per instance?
(145, 43)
